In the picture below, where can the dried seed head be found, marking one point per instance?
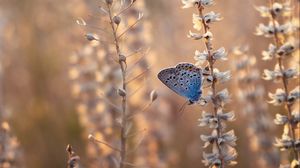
(109, 2)
(91, 37)
(153, 95)
(122, 58)
(117, 20)
(91, 137)
(69, 149)
(122, 92)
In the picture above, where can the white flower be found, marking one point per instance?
(211, 159)
(284, 143)
(286, 49)
(290, 73)
(206, 2)
(296, 116)
(211, 17)
(221, 76)
(208, 35)
(209, 139)
(197, 22)
(263, 10)
(285, 28)
(294, 95)
(220, 54)
(276, 9)
(192, 3)
(229, 138)
(277, 74)
(272, 75)
(200, 57)
(195, 36)
(281, 119)
(268, 30)
(230, 156)
(278, 98)
(229, 116)
(208, 119)
(269, 55)
(189, 3)
(222, 97)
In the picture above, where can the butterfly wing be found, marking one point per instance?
(190, 77)
(168, 77)
(185, 79)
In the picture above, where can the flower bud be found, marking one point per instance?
(91, 137)
(91, 37)
(109, 2)
(117, 20)
(153, 95)
(122, 58)
(122, 92)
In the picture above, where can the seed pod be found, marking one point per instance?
(109, 2)
(91, 137)
(153, 95)
(122, 58)
(91, 37)
(122, 92)
(117, 20)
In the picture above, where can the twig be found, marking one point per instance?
(123, 67)
(92, 138)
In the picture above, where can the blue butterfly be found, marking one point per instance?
(185, 79)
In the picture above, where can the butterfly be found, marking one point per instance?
(185, 79)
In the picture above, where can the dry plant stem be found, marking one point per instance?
(285, 84)
(213, 85)
(124, 97)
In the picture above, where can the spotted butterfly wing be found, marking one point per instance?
(185, 79)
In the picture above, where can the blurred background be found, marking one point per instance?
(37, 39)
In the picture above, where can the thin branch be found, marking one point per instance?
(137, 132)
(134, 52)
(138, 76)
(108, 101)
(123, 67)
(145, 108)
(136, 91)
(137, 145)
(130, 27)
(138, 60)
(128, 7)
(92, 138)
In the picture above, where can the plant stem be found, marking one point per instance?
(284, 83)
(123, 68)
(213, 86)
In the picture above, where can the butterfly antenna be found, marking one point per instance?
(181, 110)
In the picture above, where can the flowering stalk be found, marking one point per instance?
(119, 15)
(223, 142)
(281, 50)
(251, 98)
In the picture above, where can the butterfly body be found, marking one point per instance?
(185, 79)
